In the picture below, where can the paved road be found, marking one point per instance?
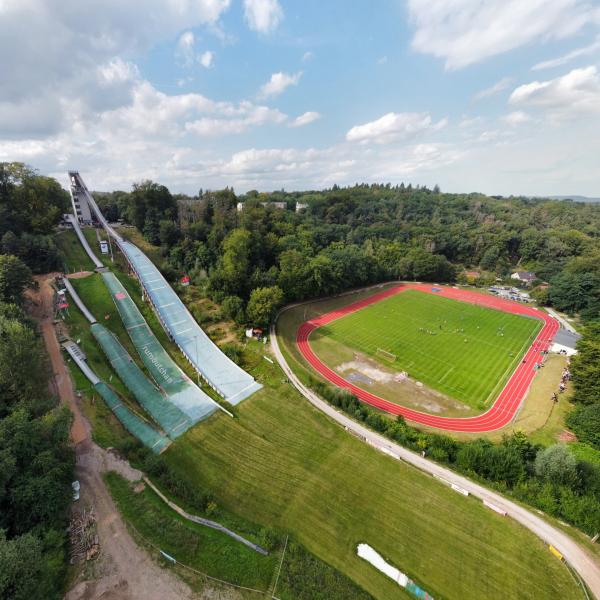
(579, 558)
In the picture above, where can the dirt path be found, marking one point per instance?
(123, 570)
(42, 309)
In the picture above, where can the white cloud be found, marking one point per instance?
(382, 60)
(517, 117)
(305, 119)
(468, 122)
(500, 85)
(249, 116)
(572, 94)
(68, 54)
(307, 56)
(186, 51)
(566, 58)
(263, 16)
(393, 127)
(463, 32)
(185, 48)
(206, 59)
(278, 83)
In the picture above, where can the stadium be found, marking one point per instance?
(474, 350)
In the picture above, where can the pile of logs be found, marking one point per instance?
(83, 536)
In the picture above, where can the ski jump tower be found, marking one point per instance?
(81, 206)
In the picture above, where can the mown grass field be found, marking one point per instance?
(462, 350)
(284, 464)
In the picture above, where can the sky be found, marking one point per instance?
(491, 96)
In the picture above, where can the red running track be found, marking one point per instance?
(504, 408)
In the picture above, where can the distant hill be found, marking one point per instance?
(575, 198)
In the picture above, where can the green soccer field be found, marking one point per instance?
(462, 350)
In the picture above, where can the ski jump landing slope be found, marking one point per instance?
(192, 403)
(181, 391)
(218, 370)
(157, 404)
(137, 426)
(506, 405)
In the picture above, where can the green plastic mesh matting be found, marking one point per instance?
(139, 428)
(186, 395)
(172, 420)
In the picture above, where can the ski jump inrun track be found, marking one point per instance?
(506, 405)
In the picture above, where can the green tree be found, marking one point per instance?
(15, 278)
(556, 465)
(233, 307)
(235, 263)
(585, 366)
(168, 233)
(585, 422)
(263, 305)
(573, 292)
(150, 203)
(292, 274)
(20, 567)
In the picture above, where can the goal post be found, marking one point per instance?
(385, 354)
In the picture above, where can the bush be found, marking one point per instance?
(556, 465)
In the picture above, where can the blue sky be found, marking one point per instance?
(497, 96)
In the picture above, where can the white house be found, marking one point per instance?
(525, 277)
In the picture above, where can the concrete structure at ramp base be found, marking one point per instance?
(228, 379)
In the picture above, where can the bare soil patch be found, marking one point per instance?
(397, 386)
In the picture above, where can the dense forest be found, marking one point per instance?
(36, 459)
(348, 237)
(30, 208)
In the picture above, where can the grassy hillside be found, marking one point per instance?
(73, 256)
(282, 464)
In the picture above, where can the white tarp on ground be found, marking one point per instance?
(370, 555)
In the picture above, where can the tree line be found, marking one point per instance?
(348, 237)
(30, 207)
(36, 459)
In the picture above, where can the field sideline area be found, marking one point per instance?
(463, 350)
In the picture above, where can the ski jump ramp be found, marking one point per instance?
(182, 392)
(218, 370)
